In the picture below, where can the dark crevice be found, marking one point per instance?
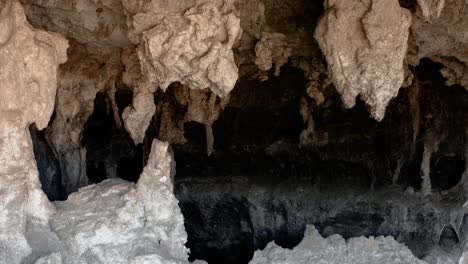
(47, 165)
(195, 133)
(110, 152)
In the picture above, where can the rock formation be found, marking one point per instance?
(28, 84)
(365, 43)
(118, 221)
(349, 116)
(334, 249)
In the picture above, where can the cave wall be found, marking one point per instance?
(28, 80)
(347, 97)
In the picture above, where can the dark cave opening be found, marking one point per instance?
(260, 186)
(110, 152)
(195, 133)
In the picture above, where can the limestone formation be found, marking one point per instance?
(120, 222)
(137, 117)
(281, 114)
(365, 43)
(28, 82)
(334, 249)
(196, 50)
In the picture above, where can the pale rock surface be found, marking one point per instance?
(143, 15)
(364, 43)
(28, 76)
(334, 249)
(137, 117)
(120, 222)
(196, 50)
(113, 222)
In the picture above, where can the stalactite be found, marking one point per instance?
(413, 96)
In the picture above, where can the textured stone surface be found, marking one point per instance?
(431, 9)
(196, 50)
(28, 75)
(118, 222)
(365, 43)
(334, 249)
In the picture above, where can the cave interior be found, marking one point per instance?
(355, 177)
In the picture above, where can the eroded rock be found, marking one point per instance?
(431, 9)
(196, 50)
(28, 76)
(334, 249)
(365, 43)
(116, 221)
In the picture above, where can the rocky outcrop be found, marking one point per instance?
(334, 249)
(365, 43)
(28, 77)
(116, 221)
